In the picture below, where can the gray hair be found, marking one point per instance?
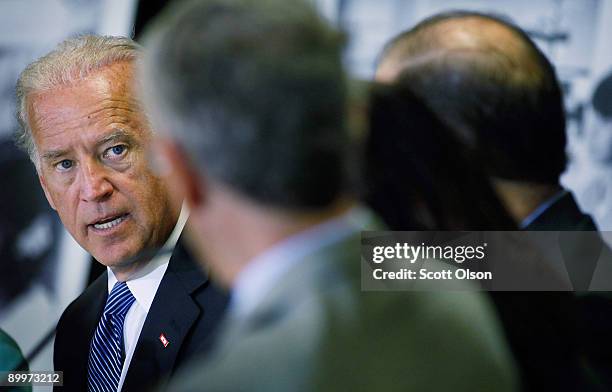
(255, 92)
(72, 60)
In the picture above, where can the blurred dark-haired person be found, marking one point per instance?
(253, 96)
(494, 89)
(485, 78)
(87, 135)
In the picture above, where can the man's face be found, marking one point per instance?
(91, 139)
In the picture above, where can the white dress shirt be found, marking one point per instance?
(143, 286)
(265, 270)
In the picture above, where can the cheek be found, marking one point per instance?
(61, 198)
(65, 197)
(67, 211)
(149, 198)
(60, 188)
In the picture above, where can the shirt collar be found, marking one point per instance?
(260, 274)
(541, 208)
(145, 282)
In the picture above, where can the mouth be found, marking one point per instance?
(109, 223)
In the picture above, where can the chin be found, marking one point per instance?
(117, 259)
(109, 262)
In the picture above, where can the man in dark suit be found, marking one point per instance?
(485, 79)
(87, 137)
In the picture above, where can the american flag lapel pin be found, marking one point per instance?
(164, 340)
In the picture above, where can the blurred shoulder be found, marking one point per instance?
(10, 354)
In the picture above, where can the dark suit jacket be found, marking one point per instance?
(543, 328)
(564, 214)
(585, 254)
(186, 309)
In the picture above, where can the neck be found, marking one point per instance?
(124, 273)
(522, 198)
(239, 231)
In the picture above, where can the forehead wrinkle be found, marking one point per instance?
(115, 104)
(117, 114)
(125, 110)
(118, 97)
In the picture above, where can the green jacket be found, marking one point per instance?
(10, 358)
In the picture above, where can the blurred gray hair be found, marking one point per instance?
(255, 92)
(70, 61)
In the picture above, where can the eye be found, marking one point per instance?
(118, 150)
(64, 165)
(115, 152)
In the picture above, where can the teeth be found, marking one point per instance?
(108, 225)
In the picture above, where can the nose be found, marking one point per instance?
(95, 185)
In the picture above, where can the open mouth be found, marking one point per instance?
(109, 223)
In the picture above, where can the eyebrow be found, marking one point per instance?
(53, 154)
(117, 134)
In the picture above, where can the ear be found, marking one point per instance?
(183, 176)
(47, 194)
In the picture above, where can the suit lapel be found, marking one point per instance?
(172, 314)
(81, 336)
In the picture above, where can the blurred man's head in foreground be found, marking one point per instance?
(251, 96)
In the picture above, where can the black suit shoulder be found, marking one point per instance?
(570, 321)
(186, 309)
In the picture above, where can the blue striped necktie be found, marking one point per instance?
(105, 354)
